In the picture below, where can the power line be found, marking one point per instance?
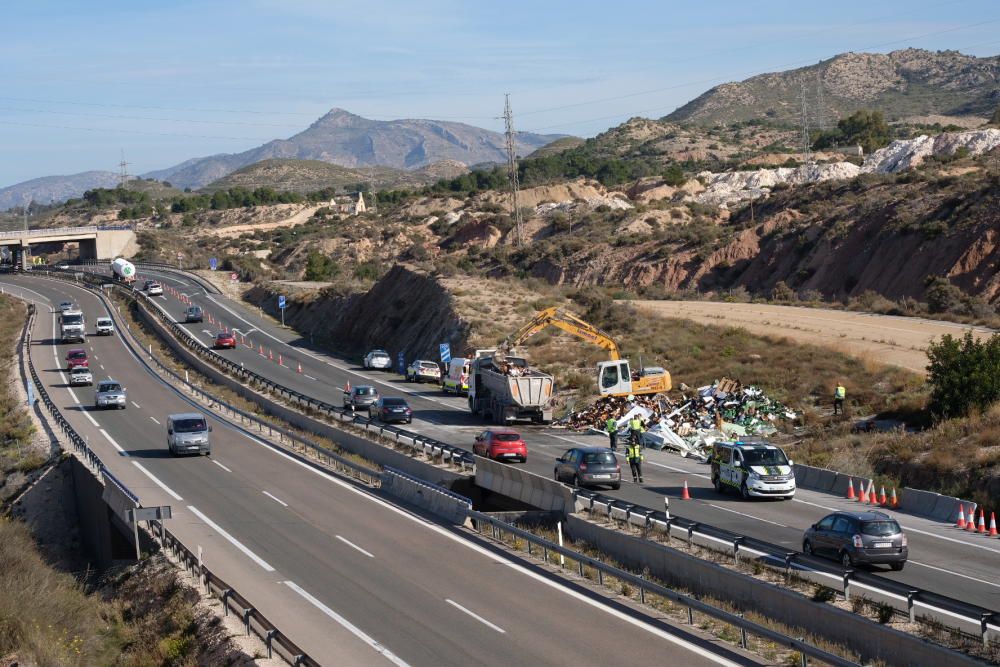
(515, 209)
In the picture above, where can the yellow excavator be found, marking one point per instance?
(614, 377)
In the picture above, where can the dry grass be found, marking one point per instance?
(16, 428)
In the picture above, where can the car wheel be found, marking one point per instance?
(409, 421)
(744, 491)
(717, 483)
(576, 480)
(807, 548)
(555, 474)
(846, 560)
(896, 567)
(615, 487)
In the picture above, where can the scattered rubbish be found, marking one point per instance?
(724, 410)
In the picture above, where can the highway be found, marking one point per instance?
(943, 560)
(348, 576)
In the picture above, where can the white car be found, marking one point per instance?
(154, 289)
(378, 359)
(104, 326)
(80, 375)
(65, 306)
(423, 371)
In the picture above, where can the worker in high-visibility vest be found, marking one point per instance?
(839, 394)
(635, 429)
(633, 454)
(612, 426)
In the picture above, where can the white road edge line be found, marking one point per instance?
(275, 499)
(354, 546)
(154, 419)
(139, 407)
(749, 516)
(353, 629)
(476, 616)
(232, 540)
(221, 466)
(156, 481)
(113, 443)
(964, 576)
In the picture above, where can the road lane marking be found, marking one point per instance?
(87, 415)
(354, 546)
(749, 516)
(957, 574)
(71, 392)
(155, 419)
(221, 466)
(232, 540)
(276, 499)
(113, 443)
(156, 481)
(136, 405)
(102, 366)
(353, 629)
(476, 616)
(308, 376)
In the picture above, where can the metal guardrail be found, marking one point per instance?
(782, 558)
(644, 586)
(254, 621)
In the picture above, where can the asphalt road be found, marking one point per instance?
(349, 577)
(943, 560)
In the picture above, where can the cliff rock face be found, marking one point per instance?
(403, 312)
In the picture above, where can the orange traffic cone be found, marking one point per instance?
(280, 362)
(850, 490)
(347, 386)
(261, 350)
(982, 522)
(970, 524)
(872, 499)
(894, 501)
(882, 500)
(993, 524)
(298, 367)
(685, 494)
(961, 517)
(270, 355)
(863, 498)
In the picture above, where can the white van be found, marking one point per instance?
(457, 377)
(756, 469)
(187, 433)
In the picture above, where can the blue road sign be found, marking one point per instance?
(401, 363)
(213, 263)
(445, 351)
(281, 301)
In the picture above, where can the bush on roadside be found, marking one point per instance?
(964, 375)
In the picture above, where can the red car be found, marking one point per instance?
(501, 444)
(225, 339)
(77, 357)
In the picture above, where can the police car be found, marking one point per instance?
(755, 469)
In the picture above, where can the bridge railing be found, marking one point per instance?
(54, 231)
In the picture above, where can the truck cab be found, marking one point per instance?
(72, 327)
(615, 378)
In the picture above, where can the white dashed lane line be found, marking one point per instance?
(276, 499)
(155, 420)
(221, 466)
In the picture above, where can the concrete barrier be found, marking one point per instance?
(946, 508)
(827, 481)
(869, 639)
(527, 487)
(435, 499)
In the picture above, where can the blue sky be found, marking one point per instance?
(84, 81)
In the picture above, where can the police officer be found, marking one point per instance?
(635, 429)
(633, 454)
(839, 394)
(612, 427)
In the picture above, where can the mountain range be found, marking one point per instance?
(901, 84)
(53, 189)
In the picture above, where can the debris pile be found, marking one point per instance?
(723, 410)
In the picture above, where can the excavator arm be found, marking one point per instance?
(569, 323)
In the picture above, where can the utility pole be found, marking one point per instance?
(123, 175)
(820, 102)
(515, 209)
(371, 190)
(806, 148)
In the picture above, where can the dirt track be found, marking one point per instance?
(900, 341)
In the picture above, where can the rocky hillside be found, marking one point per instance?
(348, 140)
(900, 84)
(305, 176)
(53, 189)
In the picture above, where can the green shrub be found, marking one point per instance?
(964, 375)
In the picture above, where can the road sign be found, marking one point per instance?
(234, 277)
(281, 301)
(445, 351)
(180, 255)
(213, 263)
(401, 363)
(157, 513)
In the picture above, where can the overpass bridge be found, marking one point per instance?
(96, 241)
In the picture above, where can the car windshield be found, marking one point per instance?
(599, 457)
(764, 457)
(72, 319)
(428, 364)
(111, 386)
(224, 335)
(80, 370)
(78, 355)
(380, 355)
(393, 402)
(104, 320)
(506, 437)
(888, 527)
(366, 391)
(189, 425)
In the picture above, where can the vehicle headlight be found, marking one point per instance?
(752, 475)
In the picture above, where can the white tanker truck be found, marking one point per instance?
(123, 270)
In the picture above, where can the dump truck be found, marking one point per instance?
(123, 270)
(505, 389)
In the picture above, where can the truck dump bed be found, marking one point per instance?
(531, 388)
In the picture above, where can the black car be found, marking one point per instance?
(390, 409)
(586, 466)
(858, 538)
